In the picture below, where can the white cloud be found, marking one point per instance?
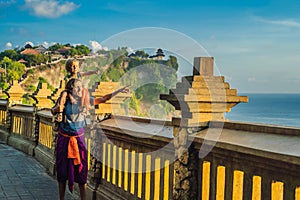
(45, 44)
(251, 79)
(282, 22)
(28, 42)
(8, 45)
(96, 46)
(130, 50)
(48, 44)
(50, 8)
(228, 78)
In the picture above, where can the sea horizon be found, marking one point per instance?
(268, 108)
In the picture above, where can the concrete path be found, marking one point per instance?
(22, 177)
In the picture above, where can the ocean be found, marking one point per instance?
(276, 109)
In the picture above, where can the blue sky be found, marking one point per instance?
(255, 43)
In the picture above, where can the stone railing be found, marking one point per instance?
(245, 164)
(3, 120)
(136, 163)
(22, 128)
(196, 156)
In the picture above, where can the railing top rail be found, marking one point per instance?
(22, 108)
(3, 102)
(275, 146)
(143, 120)
(45, 113)
(138, 128)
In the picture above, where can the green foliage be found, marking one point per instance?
(31, 88)
(103, 78)
(50, 87)
(28, 100)
(135, 104)
(172, 62)
(118, 61)
(150, 92)
(102, 51)
(35, 59)
(82, 50)
(110, 66)
(4, 85)
(42, 80)
(14, 69)
(149, 79)
(135, 62)
(31, 71)
(114, 74)
(55, 47)
(12, 54)
(72, 52)
(141, 54)
(77, 50)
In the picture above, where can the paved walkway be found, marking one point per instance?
(22, 177)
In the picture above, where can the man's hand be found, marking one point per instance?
(126, 90)
(97, 71)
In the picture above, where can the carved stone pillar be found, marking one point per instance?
(201, 98)
(185, 175)
(43, 96)
(15, 93)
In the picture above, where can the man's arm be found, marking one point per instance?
(109, 96)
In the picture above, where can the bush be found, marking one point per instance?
(31, 88)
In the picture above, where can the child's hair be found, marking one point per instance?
(70, 63)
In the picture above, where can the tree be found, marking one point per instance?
(12, 54)
(172, 62)
(55, 47)
(114, 74)
(82, 50)
(72, 52)
(14, 69)
(141, 54)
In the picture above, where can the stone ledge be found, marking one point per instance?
(22, 144)
(256, 127)
(4, 136)
(277, 147)
(46, 158)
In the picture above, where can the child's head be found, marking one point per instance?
(72, 66)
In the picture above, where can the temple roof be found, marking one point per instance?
(22, 61)
(29, 51)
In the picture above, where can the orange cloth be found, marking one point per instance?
(73, 151)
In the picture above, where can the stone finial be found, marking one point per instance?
(202, 97)
(203, 66)
(113, 105)
(42, 96)
(56, 93)
(15, 93)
